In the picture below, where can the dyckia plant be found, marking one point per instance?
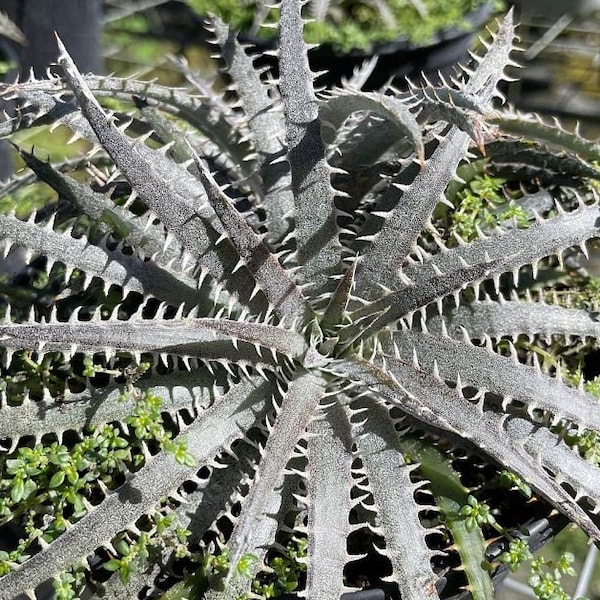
(251, 341)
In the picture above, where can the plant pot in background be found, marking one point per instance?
(396, 59)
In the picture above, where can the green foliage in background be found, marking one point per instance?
(354, 24)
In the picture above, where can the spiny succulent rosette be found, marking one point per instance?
(253, 340)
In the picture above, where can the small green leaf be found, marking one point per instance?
(57, 479)
(114, 564)
(122, 547)
(29, 488)
(17, 491)
(244, 566)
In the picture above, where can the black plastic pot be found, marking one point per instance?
(396, 59)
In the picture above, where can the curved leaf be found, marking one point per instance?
(513, 318)
(328, 503)
(113, 266)
(488, 371)
(534, 128)
(209, 339)
(317, 245)
(95, 406)
(339, 104)
(389, 480)
(267, 127)
(256, 525)
(511, 249)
